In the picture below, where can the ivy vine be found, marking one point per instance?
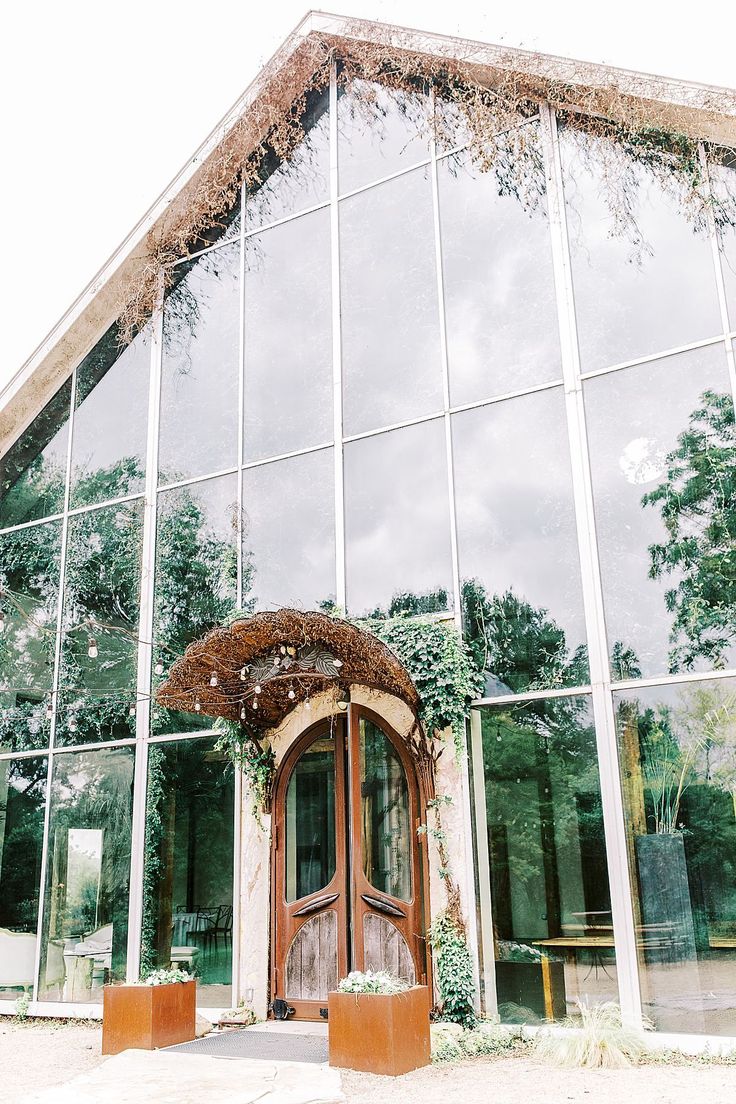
(253, 755)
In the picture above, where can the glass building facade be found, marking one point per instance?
(398, 384)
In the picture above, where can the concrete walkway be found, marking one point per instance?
(144, 1077)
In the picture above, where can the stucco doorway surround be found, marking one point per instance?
(347, 869)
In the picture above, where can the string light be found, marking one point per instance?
(258, 688)
(72, 726)
(242, 674)
(49, 711)
(243, 714)
(197, 705)
(92, 649)
(132, 709)
(159, 668)
(255, 703)
(213, 678)
(292, 695)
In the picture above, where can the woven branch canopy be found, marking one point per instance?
(257, 670)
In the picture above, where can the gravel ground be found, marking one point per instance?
(41, 1054)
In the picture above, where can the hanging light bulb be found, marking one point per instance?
(282, 649)
(132, 709)
(72, 726)
(197, 705)
(292, 695)
(159, 668)
(307, 704)
(213, 678)
(92, 649)
(255, 703)
(49, 711)
(243, 714)
(242, 674)
(344, 700)
(258, 688)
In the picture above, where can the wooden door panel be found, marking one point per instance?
(311, 964)
(384, 948)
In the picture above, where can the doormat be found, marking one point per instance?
(271, 1046)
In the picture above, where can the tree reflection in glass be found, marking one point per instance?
(677, 747)
(33, 470)
(188, 866)
(85, 928)
(553, 932)
(22, 808)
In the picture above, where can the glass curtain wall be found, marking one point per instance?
(432, 455)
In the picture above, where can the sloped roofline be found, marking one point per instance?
(712, 111)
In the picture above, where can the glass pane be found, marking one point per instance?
(390, 323)
(29, 594)
(663, 477)
(643, 276)
(85, 926)
(196, 577)
(302, 181)
(310, 821)
(25, 720)
(22, 808)
(500, 305)
(109, 441)
(94, 718)
(519, 566)
(288, 338)
(380, 131)
(33, 470)
(199, 384)
(677, 746)
(101, 598)
(397, 522)
(289, 533)
(549, 874)
(188, 867)
(385, 820)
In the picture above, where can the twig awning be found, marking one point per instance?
(262, 667)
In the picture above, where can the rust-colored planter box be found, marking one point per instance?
(148, 1016)
(379, 1034)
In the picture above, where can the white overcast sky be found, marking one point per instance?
(102, 104)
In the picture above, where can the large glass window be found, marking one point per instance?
(22, 806)
(380, 131)
(521, 587)
(109, 441)
(25, 720)
(677, 746)
(188, 866)
(29, 594)
(288, 337)
(397, 529)
(500, 305)
(199, 382)
(390, 323)
(663, 477)
(33, 470)
(723, 181)
(302, 181)
(196, 575)
(643, 275)
(85, 926)
(552, 926)
(289, 533)
(101, 598)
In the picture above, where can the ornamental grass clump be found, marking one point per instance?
(596, 1038)
(372, 981)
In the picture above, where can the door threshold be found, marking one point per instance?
(292, 1027)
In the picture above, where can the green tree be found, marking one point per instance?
(697, 503)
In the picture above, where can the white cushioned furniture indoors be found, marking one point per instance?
(17, 959)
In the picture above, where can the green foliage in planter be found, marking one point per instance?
(372, 981)
(171, 976)
(454, 970)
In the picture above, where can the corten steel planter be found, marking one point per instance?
(147, 1016)
(379, 1034)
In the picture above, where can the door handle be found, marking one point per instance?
(317, 904)
(380, 905)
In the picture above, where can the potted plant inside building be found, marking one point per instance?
(157, 1011)
(378, 1024)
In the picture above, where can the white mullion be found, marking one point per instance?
(241, 403)
(532, 695)
(54, 690)
(145, 654)
(614, 822)
(718, 271)
(675, 680)
(339, 466)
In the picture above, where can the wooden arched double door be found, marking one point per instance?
(347, 864)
